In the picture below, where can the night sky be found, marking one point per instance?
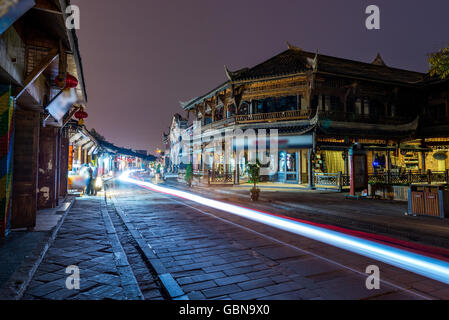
(141, 57)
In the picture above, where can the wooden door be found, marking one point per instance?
(47, 181)
(26, 146)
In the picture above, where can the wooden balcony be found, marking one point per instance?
(274, 116)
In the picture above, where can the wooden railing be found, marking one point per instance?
(221, 177)
(409, 178)
(331, 180)
(274, 116)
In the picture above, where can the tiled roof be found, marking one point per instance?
(126, 152)
(293, 61)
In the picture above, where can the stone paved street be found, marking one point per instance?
(139, 244)
(213, 255)
(83, 241)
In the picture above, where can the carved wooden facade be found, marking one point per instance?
(341, 102)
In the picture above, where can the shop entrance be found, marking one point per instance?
(288, 167)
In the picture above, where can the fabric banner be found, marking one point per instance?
(11, 10)
(6, 156)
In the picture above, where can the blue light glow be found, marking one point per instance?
(420, 264)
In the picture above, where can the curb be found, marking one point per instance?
(17, 284)
(169, 284)
(129, 282)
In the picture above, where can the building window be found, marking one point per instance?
(274, 104)
(244, 109)
(336, 104)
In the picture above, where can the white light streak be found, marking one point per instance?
(420, 264)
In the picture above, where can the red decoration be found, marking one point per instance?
(81, 114)
(70, 82)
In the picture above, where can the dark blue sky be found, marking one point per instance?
(142, 56)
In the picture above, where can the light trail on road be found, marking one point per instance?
(417, 263)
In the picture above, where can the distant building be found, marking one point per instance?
(144, 152)
(172, 141)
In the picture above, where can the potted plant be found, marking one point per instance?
(189, 175)
(254, 177)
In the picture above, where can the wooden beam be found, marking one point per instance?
(71, 114)
(47, 6)
(46, 61)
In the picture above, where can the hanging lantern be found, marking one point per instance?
(81, 115)
(70, 82)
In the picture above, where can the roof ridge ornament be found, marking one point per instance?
(313, 63)
(228, 73)
(378, 61)
(234, 74)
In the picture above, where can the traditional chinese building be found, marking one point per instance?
(173, 143)
(41, 88)
(323, 108)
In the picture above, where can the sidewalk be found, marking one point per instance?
(85, 238)
(381, 217)
(86, 241)
(22, 250)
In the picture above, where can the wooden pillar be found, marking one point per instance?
(300, 167)
(64, 165)
(80, 155)
(58, 166)
(310, 169)
(346, 162)
(237, 169)
(389, 160)
(423, 161)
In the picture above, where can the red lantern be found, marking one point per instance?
(70, 82)
(81, 115)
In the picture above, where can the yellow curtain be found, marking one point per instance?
(334, 161)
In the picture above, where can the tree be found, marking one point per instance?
(97, 135)
(439, 63)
